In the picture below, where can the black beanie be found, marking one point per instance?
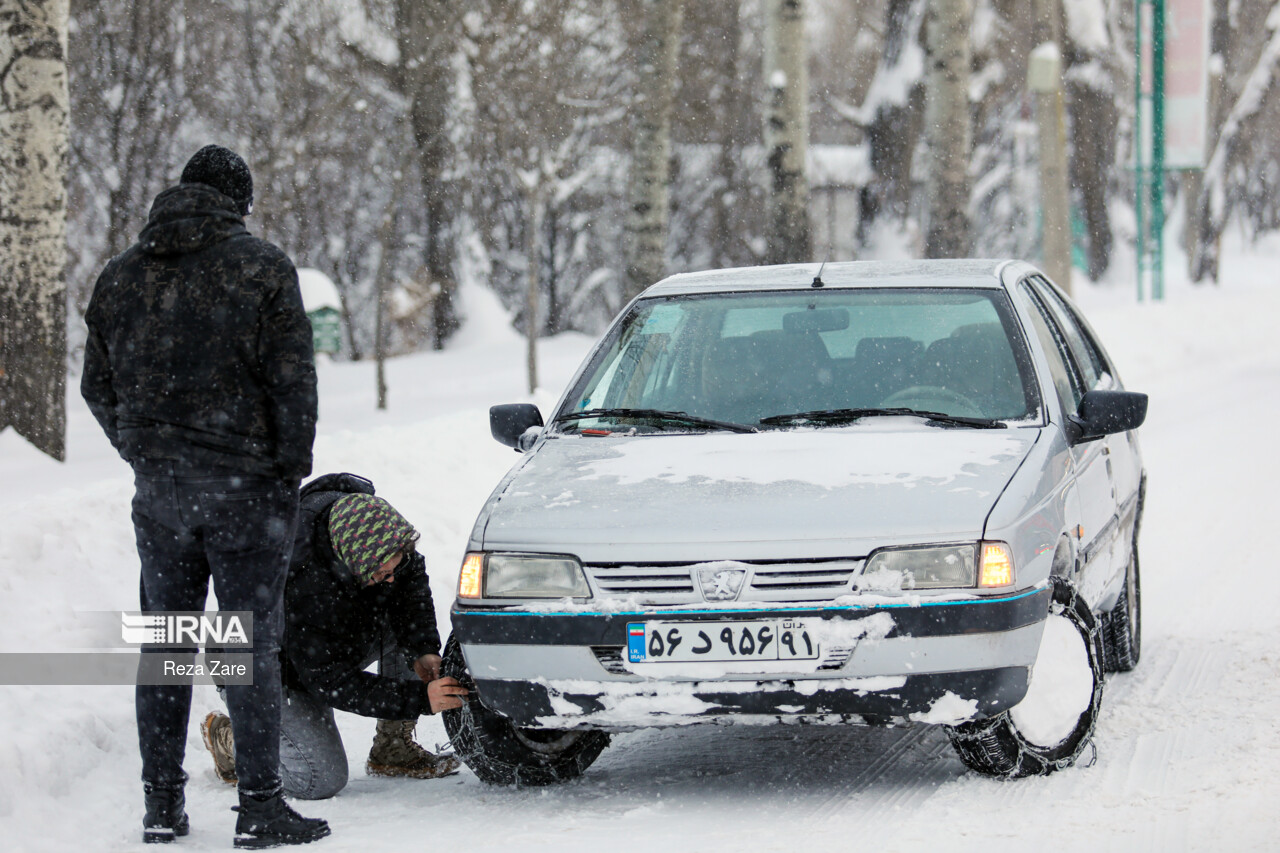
(225, 171)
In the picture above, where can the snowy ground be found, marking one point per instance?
(1187, 756)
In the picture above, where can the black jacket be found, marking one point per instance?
(332, 623)
(199, 350)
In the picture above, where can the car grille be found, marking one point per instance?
(675, 583)
(827, 578)
(642, 580)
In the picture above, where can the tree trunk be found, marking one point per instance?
(33, 221)
(1200, 235)
(947, 128)
(895, 126)
(725, 234)
(533, 233)
(647, 219)
(1093, 154)
(786, 132)
(386, 269)
(425, 43)
(1091, 94)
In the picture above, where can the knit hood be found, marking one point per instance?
(365, 531)
(188, 218)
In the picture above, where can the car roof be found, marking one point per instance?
(844, 274)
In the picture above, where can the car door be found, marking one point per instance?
(1094, 485)
(1124, 463)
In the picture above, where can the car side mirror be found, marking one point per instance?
(511, 421)
(1103, 413)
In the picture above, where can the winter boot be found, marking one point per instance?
(269, 822)
(166, 816)
(216, 730)
(395, 753)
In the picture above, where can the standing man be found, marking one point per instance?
(199, 368)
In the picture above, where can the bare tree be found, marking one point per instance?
(34, 105)
(786, 131)
(426, 32)
(126, 74)
(544, 130)
(947, 129)
(646, 243)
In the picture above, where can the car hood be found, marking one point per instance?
(794, 494)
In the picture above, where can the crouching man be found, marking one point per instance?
(357, 592)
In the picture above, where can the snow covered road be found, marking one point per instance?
(1187, 755)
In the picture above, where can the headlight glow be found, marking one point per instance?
(932, 567)
(534, 576)
(996, 567)
(469, 579)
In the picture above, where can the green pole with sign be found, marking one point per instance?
(1150, 143)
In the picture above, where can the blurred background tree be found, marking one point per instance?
(508, 124)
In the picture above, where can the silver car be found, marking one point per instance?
(867, 493)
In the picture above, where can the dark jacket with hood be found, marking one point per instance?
(333, 624)
(199, 350)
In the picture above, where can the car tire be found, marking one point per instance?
(1122, 626)
(499, 753)
(999, 747)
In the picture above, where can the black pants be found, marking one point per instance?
(238, 529)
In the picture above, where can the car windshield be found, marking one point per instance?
(812, 358)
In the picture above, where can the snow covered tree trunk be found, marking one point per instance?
(786, 132)
(1091, 94)
(33, 221)
(1243, 122)
(947, 128)
(1203, 255)
(646, 234)
(895, 105)
(425, 73)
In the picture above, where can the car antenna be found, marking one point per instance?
(817, 279)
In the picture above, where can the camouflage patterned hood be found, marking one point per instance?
(188, 218)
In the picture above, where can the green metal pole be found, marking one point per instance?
(1157, 148)
(1140, 152)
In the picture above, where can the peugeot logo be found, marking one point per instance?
(720, 584)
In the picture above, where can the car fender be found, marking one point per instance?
(1032, 514)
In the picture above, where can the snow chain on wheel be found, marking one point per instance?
(995, 747)
(501, 754)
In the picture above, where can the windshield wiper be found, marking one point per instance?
(844, 416)
(658, 415)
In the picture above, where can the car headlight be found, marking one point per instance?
(933, 567)
(521, 576)
(986, 565)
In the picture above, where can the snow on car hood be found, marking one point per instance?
(791, 494)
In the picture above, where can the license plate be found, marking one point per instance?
(683, 642)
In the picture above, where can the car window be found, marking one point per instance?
(1093, 369)
(1062, 369)
(740, 357)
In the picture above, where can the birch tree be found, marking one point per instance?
(786, 131)
(947, 128)
(647, 218)
(33, 220)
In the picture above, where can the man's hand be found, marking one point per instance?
(427, 667)
(446, 694)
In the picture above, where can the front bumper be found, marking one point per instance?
(930, 661)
